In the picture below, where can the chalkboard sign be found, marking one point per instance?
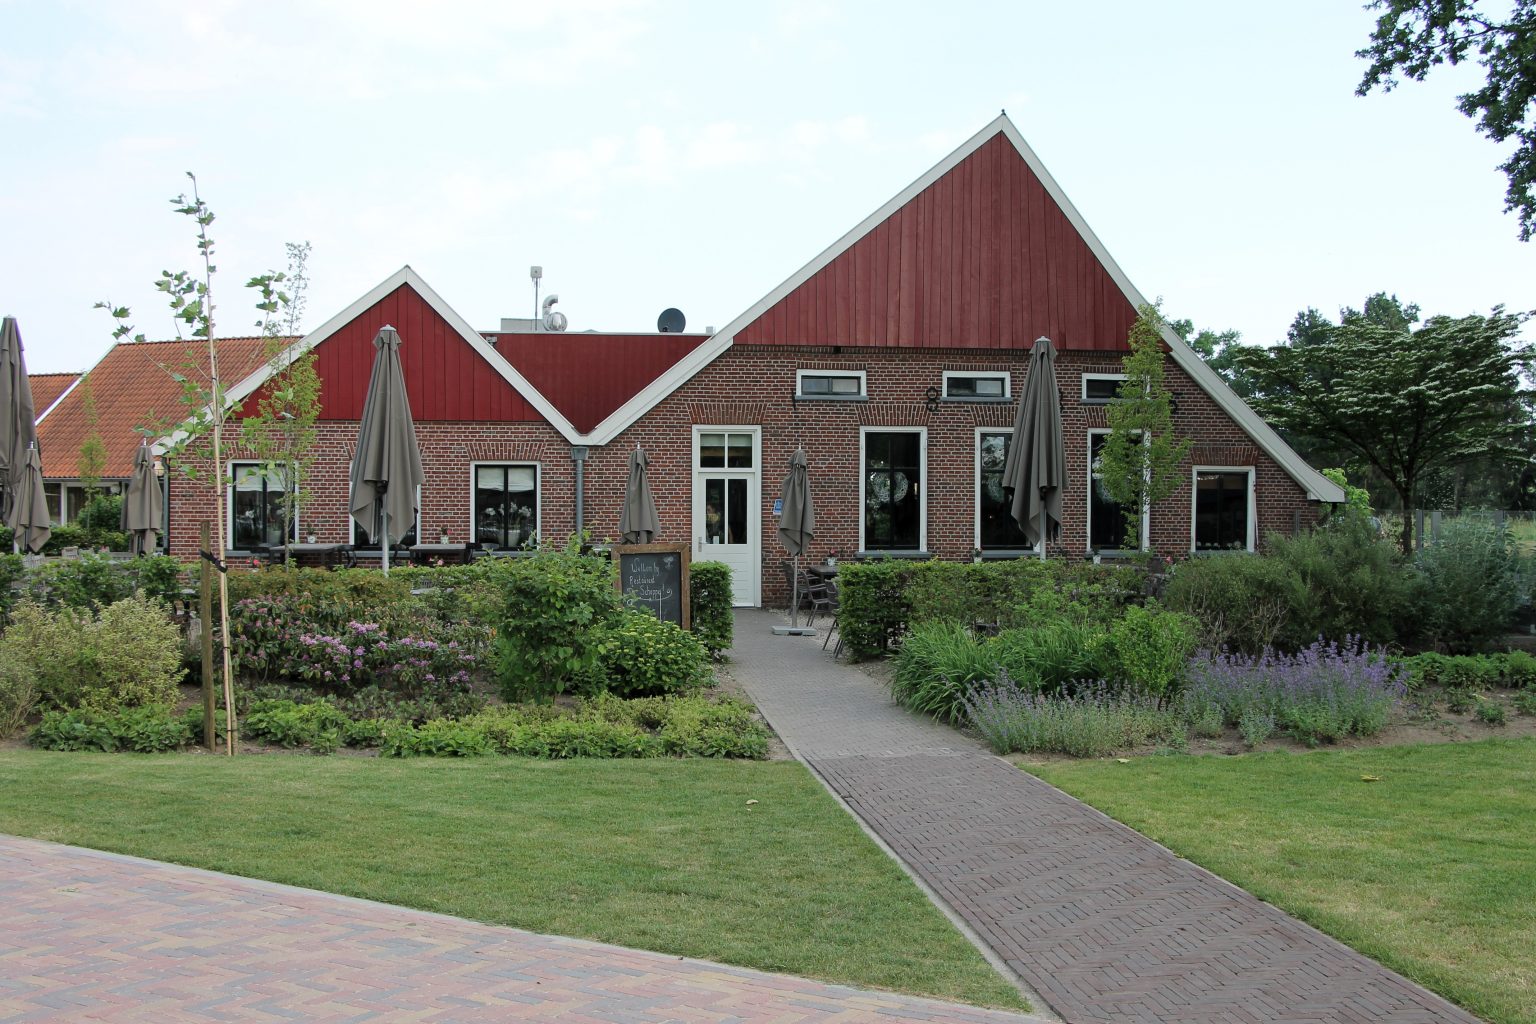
(655, 577)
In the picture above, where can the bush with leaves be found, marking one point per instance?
(150, 729)
(1357, 584)
(1472, 584)
(126, 655)
(710, 605)
(94, 580)
(554, 607)
(638, 655)
(18, 695)
(1148, 649)
(1240, 602)
(939, 662)
(319, 725)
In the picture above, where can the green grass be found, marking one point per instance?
(664, 855)
(1431, 870)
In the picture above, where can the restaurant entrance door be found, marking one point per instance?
(727, 505)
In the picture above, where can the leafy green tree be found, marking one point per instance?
(1401, 399)
(1414, 36)
(283, 432)
(92, 459)
(1219, 351)
(1142, 459)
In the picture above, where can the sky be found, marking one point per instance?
(649, 153)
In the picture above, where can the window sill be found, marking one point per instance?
(1219, 552)
(916, 556)
(968, 400)
(1006, 554)
(831, 398)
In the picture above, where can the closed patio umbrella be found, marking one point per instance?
(797, 524)
(28, 517)
(1037, 455)
(386, 471)
(18, 416)
(143, 504)
(638, 523)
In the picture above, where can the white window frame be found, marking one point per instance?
(229, 502)
(538, 495)
(352, 523)
(1253, 510)
(1146, 513)
(1117, 377)
(1002, 375)
(862, 375)
(1038, 549)
(922, 496)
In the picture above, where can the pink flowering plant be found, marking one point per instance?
(270, 642)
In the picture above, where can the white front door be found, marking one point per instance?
(727, 505)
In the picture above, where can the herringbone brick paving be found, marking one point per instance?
(90, 936)
(1103, 923)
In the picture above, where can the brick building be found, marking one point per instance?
(894, 358)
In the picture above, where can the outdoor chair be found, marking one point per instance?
(834, 610)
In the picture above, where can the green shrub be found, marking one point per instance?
(126, 656)
(150, 729)
(1053, 652)
(1525, 702)
(330, 599)
(440, 737)
(1517, 670)
(368, 733)
(872, 606)
(1491, 712)
(938, 663)
(1471, 584)
(640, 656)
(1090, 720)
(287, 724)
(723, 728)
(93, 581)
(554, 606)
(710, 606)
(13, 568)
(1241, 602)
(1357, 584)
(1148, 649)
(18, 695)
(1461, 702)
(104, 512)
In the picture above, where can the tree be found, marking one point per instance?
(1414, 36)
(1142, 459)
(1405, 401)
(282, 433)
(1218, 349)
(92, 459)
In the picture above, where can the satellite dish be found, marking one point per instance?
(671, 321)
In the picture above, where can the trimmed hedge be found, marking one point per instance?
(710, 606)
(880, 600)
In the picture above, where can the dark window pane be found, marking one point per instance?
(849, 386)
(1107, 518)
(892, 490)
(1221, 512)
(736, 511)
(815, 385)
(998, 527)
(714, 511)
(975, 387)
(506, 505)
(1100, 389)
(738, 451)
(712, 451)
(256, 508)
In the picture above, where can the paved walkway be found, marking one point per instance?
(1100, 921)
(90, 936)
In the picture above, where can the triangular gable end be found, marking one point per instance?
(1096, 313)
(434, 339)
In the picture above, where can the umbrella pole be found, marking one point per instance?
(384, 537)
(794, 590)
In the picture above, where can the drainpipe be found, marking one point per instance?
(579, 457)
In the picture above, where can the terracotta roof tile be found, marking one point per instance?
(47, 387)
(133, 386)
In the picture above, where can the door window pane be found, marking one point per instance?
(736, 511)
(712, 451)
(998, 527)
(506, 505)
(738, 451)
(893, 491)
(1221, 512)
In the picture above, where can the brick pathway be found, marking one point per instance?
(1101, 922)
(89, 936)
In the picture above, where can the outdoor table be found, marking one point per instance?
(455, 553)
(329, 555)
(824, 570)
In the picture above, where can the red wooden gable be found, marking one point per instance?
(588, 376)
(983, 258)
(445, 378)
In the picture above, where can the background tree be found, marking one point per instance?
(1413, 36)
(1219, 351)
(283, 432)
(91, 461)
(1142, 459)
(1405, 401)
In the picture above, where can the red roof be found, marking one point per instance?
(588, 376)
(983, 257)
(47, 387)
(133, 386)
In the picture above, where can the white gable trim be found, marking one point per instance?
(1317, 486)
(62, 395)
(406, 276)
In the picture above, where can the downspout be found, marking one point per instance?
(579, 457)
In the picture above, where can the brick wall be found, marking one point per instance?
(752, 386)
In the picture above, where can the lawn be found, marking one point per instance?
(1431, 870)
(666, 855)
